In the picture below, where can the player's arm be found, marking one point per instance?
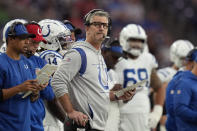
(29, 85)
(155, 115)
(56, 109)
(158, 88)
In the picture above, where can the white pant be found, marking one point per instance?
(51, 123)
(113, 117)
(134, 122)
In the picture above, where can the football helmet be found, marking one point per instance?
(3, 48)
(132, 31)
(57, 35)
(8, 24)
(179, 50)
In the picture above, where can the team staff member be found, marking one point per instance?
(16, 76)
(46, 92)
(171, 90)
(185, 101)
(84, 93)
(112, 51)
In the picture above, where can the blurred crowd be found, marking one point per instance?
(163, 20)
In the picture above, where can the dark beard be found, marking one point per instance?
(29, 54)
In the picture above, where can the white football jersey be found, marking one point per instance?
(113, 120)
(166, 74)
(131, 71)
(50, 122)
(52, 57)
(113, 77)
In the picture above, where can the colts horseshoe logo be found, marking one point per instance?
(49, 31)
(39, 32)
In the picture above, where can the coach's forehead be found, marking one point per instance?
(102, 19)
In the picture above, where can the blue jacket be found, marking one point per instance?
(169, 103)
(38, 109)
(185, 103)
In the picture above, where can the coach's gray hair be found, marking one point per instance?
(97, 13)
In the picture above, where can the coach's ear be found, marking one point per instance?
(116, 87)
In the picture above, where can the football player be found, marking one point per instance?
(58, 38)
(140, 65)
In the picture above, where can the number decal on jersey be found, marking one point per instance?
(54, 61)
(134, 75)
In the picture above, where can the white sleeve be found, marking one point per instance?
(113, 78)
(162, 74)
(66, 71)
(154, 62)
(166, 74)
(119, 67)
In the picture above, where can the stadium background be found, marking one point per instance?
(164, 20)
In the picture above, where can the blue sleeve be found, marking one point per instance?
(47, 93)
(169, 98)
(43, 62)
(2, 76)
(32, 68)
(170, 92)
(182, 100)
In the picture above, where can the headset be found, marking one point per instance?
(77, 31)
(12, 32)
(91, 13)
(32, 23)
(112, 44)
(68, 22)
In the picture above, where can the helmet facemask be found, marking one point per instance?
(135, 46)
(65, 41)
(134, 33)
(179, 61)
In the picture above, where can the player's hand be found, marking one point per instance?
(117, 87)
(28, 85)
(43, 86)
(80, 118)
(34, 96)
(128, 95)
(155, 116)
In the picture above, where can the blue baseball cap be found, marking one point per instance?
(20, 31)
(115, 47)
(72, 28)
(195, 55)
(192, 55)
(69, 26)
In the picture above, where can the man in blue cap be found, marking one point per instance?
(178, 97)
(17, 75)
(111, 52)
(74, 31)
